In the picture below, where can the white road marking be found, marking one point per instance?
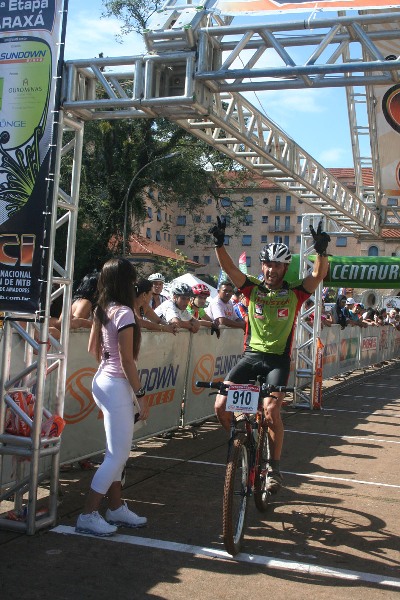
(305, 475)
(343, 437)
(265, 561)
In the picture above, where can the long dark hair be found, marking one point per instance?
(116, 284)
(87, 288)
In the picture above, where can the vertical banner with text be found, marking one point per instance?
(30, 35)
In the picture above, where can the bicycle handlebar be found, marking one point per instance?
(265, 389)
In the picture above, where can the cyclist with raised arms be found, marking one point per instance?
(273, 308)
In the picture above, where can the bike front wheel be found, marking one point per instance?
(261, 495)
(235, 495)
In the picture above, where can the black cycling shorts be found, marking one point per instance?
(274, 367)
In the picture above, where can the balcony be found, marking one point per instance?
(282, 209)
(280, 229)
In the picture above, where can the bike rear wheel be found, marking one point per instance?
(235, 495)
(261, 495)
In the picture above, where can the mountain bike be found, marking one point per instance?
(248, 454)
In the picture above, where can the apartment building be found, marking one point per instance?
(271, 215)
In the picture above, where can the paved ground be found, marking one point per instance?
(333, 530)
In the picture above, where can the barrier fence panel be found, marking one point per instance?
(169, 366)
(211, 359)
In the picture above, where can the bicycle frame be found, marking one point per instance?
(247, 465)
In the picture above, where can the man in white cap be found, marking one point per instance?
(157, 298)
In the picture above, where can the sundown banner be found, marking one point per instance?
(259, 7)
(29, 36)
(377, 272)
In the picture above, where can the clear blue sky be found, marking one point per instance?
(316, 119)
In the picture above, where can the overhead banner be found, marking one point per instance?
(30, 35)
(259, 7)
(375, 272)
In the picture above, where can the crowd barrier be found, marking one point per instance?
(169, 366)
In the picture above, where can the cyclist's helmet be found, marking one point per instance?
(181, 289)
(157, 277)
(276, 252)
(200, 289)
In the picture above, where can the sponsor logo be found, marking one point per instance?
(283, 313)
(78, 395)
(208, 369)
(203, 371)
(369, 343)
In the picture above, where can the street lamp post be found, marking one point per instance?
(126, 198)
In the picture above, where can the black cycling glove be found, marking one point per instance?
(321, 239)
(215, 329)
(218, 232)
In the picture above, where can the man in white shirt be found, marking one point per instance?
(174, 311)
(221, 309)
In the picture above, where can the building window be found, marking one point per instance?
(277, 239)
(341, 241)
(209, 200)
(149, 212)
(166, 217)
(373, 251)
(170, 218)
(206, 260)
(227, 219)
(246, 240)
(196, 219)
(159, 215)
(148, 233)
(264, 219)
(299, 218)
(392, 202)
(226, 240)
(277, 223)
(286, 240)
(277, 202)
(181, 220)
(208, 219)
(287, 223)
(180, 240)
(298, 239)
(265, 200)
(169, 237)
(165, 237)
(150, 194)
(288, 202)
(248, 261)
(248, 201)
(264, 239)
(196, 258)
(226, 202)
(158, 236)
(248, 220)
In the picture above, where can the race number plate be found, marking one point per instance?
(242, 398)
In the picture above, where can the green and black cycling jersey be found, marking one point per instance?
(272, 315)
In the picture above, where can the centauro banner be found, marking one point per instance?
(259, 7)
(29, 36)
(381, 272)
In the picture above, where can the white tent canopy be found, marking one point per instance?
(191, 280)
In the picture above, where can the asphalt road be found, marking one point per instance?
(333, 530)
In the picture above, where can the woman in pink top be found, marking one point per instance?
(115, 342)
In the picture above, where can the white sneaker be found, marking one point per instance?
(125, 517)
(94, 524)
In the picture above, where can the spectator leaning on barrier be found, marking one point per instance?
(145, 315)
(174, 311)
(200, 293)
(338, 316)
(221, 309)
(273, 308)
(158, 280)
